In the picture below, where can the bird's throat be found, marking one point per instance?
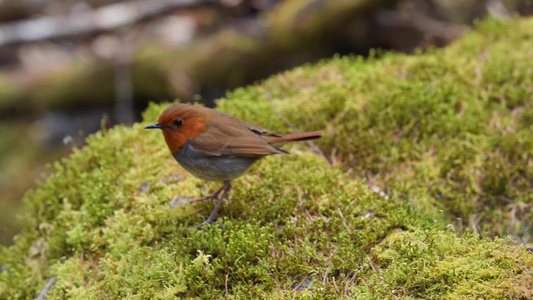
(175, 140)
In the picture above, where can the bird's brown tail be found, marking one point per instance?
(294, 137)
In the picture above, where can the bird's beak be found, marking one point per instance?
(154, 126)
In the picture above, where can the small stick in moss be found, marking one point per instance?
(226, 285)
(47, 288)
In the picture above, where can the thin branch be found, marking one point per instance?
(106, 18)
(311, 144)
(496, 9)
(47, 288)
(421, 22)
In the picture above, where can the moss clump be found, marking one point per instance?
(446, 130)
(104, 225)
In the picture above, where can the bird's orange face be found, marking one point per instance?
(179, 123)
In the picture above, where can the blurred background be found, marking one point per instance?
(69, 67)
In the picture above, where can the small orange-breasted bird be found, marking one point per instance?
(215, 146)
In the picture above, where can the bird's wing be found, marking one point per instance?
(260, 130)
(237, 138)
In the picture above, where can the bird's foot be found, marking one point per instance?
(212, 216)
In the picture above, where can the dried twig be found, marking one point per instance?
(311, 144)
(226, 285)
(474, 221)
(47, 288)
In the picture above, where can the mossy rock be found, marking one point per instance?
(424, 131)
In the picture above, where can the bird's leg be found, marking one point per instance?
(212, 196)
(211, 219)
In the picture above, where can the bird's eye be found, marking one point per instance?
(178, 122)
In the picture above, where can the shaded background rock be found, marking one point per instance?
(66, 64)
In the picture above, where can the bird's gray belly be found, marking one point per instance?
(213, 168)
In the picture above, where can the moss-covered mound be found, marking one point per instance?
(450, 129)
(438, 135)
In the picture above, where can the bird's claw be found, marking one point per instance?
(207, 221)
(210, 222)
(212, 216)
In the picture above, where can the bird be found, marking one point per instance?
(215, 146)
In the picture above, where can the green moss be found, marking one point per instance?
(435, 264)
(438, 136)
(449, 129)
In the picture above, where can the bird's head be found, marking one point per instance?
(181, 122)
